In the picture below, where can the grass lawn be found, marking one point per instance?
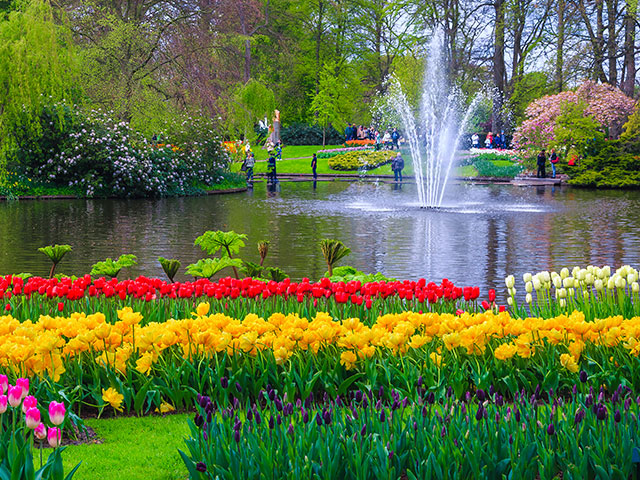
(144, 448)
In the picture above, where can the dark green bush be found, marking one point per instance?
(615, 166)
(303, 134)
(487, 168)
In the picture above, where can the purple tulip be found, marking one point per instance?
(236, 436)
(363, 430)
(516, 415)
(359, 396)
(583, 376)
(617, 416)
(201, 467)
(249, 415)
(198, 420)
(382, 415)
(278, 404)
(258, 418)
(601, 412)
(319, 419)
(480, 412)
(271, 394)
(271, 423)
(224, 382)
(499, 400)
(238, 387)
(574, 389)
(390, 454)
(326, 416)
(627, 404)
(279, 419)
(420, 381)
(491, 390)
(551, 430)
(290, 429)
(381, 392)
(431, 398)
(510, 438)
(579, 416)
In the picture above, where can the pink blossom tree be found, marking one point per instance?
(607, 105)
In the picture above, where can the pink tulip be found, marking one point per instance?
(32, 418)
(15, 395)
(56, 412)
(4, 384)
(40, 432)
(29, 402)
(3, 404)
(23, 383)
(54, 436)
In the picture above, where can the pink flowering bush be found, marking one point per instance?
(605, 104)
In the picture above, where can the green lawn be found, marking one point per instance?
(134, 448)
(293, 151)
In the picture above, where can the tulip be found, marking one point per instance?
(23, 383)
(29, 402)
(201, 467)
(54, 436)
(3, 404)
(4, 384)
(32, 418)
(14, 395)
(60, 306)
(551, 429)
(57, 413)
(40, 432)
(617, 416)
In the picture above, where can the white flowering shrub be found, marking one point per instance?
(102, 157)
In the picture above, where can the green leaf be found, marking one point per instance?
(208, 267)
(229, 242)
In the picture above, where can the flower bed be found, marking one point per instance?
(358, 160)
(583, 434)
(354, 143)
(159, 300)
(339, 151)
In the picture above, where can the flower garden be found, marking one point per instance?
(380, 379)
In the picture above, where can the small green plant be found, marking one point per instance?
(112, 268)
(277, 274)
(250, 269)
(55, 254)
(170, 267)
(228, 243)
(333, 251)
(208, 267)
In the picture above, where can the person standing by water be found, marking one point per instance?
(314, 165)
(553, 158)
(271, 170)
(249, 163)
(397, 164)
(542, 161)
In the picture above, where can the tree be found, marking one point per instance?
(325, 104)
(253, 101)
(37, 64)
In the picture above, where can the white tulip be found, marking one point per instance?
(598, 285)
(620, 282)
(563, 303)
(567, 282)
(510, 301)
(562, 293)
(512, 292)
(635, 288)
(528, 298)
(611, 283)
(528, 287)
(632, 277)
(571, 292)
(526, 277)
(510, 281)
(575, 270)
(589, 279)
(564, 273)
(545, 276)
(585, 294)
(606, 270)
(557, 282)
(536, 284)
(582, 275)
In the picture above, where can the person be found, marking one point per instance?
(487, 141)
(542, 160)
(397, 164)
(271, 169)
(347, 133)
(359, 133)
(314, 165)
(395, 136)
(553, 158)
(386, 139)
(497, 141)
(475, 140)
(249, 163)
(377, 140)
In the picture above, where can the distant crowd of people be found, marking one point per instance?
(389, 139)
(499, 140)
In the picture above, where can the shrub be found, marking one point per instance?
(615, 166)
(363, 159)
(102, 157)
(489, 169)
(302, 134)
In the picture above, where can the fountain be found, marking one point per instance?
(433, 137)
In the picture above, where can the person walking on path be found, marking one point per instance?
(553, 158)
(314, 165)
(542, 161)
(249, 163)
(395, 136)
(397, 164)
(271, 170)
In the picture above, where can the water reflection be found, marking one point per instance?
(481, 234)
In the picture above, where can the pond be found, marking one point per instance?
(483, 233)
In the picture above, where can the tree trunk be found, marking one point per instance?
(599, 44)
(611, 42)
(629, 82)
(559, 73)
(498, 65)
(318, 42)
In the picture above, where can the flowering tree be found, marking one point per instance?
(606, 105)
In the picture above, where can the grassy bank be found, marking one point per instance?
(134, 448)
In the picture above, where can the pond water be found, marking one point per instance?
(482, 233)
